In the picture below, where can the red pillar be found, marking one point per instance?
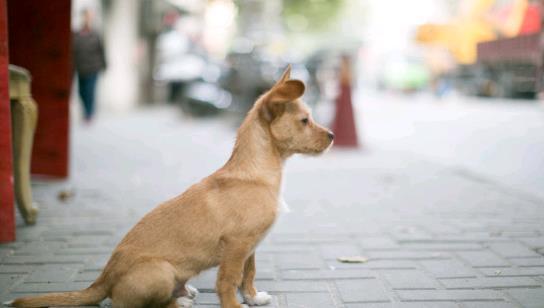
(7, 214)
(40, 41)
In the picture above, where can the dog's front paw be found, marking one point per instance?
(192, 292)
(261, 298)
(185, 302)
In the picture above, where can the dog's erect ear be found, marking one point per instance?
(278, 98)
(285, 76)
(287, 91)
(282, 92)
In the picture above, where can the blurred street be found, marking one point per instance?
(496, 140)
(446, 204)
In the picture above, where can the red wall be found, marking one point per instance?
(7, 218)
(40, 41)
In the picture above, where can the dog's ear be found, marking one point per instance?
(287, 91)
(279, 96)
(285, 76)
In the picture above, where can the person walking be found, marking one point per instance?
(89, 60)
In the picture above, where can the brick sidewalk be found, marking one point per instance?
(434, 236)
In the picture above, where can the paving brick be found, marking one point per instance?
(47, 259)
(327, 274)
(447, 268)
(482, 258)
(53, 273)
(533, 242)
(367, 290)
(467, 237)
(410, 233)
(39, 247)
(205, 280)
(309, 300)
(298, 261)
(489, 305)
(374, 264)
(293, 286)
(7, 281)
(441, 246)
(405, 305)
(50, 287)
(16, 269)
(212, 300)
(333, 251)
(84, 251)
(400, 279)
(306, 238)
(302, 248)
(208, 299)
(449, 295)
(530, 298)
(406, 255)
(96, 262)
(490, 282)
(527, 262)
(378, 243)
(513, 250)
(88, 276)
(513, 272)
(265, 274)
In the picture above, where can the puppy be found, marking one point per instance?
(217, 222)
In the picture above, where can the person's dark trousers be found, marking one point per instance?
(87, 85)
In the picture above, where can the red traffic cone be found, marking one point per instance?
(344, 129)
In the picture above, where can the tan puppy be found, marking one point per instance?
(218, 221)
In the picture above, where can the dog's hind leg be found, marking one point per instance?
(149, 284)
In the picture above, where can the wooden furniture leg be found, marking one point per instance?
(24, 116)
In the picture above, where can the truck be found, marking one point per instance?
(509, 67)
(493, 58)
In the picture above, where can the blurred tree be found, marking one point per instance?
(310, 15)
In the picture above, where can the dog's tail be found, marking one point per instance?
(90, 296)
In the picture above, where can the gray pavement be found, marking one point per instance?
(435, 234)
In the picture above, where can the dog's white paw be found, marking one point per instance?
(185, 302)
(192, 292)
(244, 306)
(261, 298)
(8, 303)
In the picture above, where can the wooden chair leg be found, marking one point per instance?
(24, 116)
(24, 113)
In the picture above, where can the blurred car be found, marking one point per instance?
(406, 74)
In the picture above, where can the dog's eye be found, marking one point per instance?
(304, 121)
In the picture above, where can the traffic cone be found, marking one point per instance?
(344, 128)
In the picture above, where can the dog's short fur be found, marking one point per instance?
(217, 222)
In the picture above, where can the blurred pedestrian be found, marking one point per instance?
(89, 60)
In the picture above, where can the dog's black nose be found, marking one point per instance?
(331, 136)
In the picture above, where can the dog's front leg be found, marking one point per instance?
(229, 276)
(248, 290)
